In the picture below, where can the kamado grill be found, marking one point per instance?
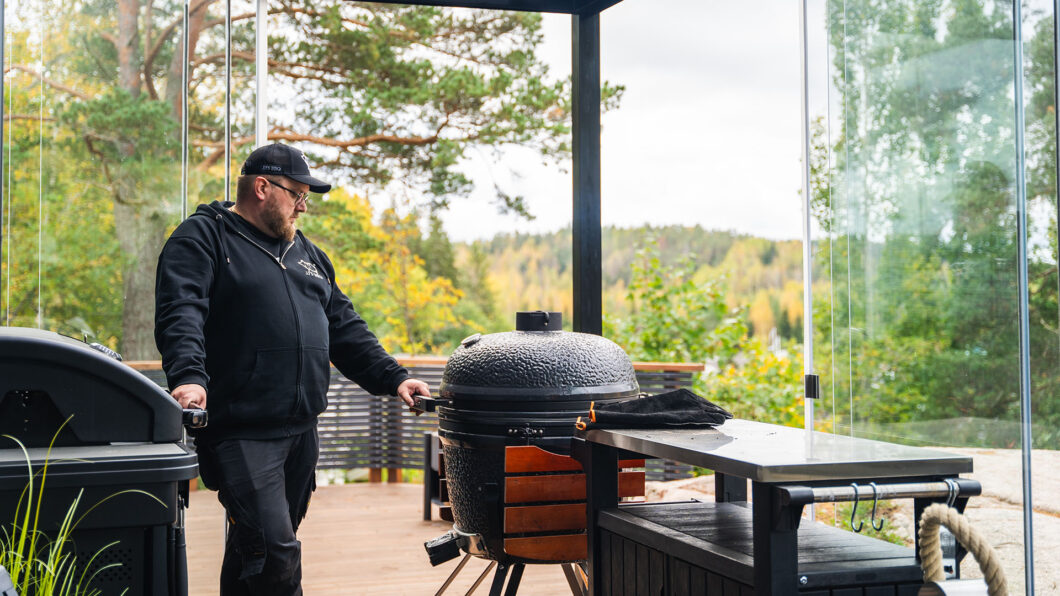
(507, 408)
(115, 432)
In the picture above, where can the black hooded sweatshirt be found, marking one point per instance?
(255, 320)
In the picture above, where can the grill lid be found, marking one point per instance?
(46, 378)
(539, 358)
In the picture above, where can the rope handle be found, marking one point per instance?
(931, 547)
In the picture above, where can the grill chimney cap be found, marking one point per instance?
(538, 320)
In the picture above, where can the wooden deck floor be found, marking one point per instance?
(357, 539)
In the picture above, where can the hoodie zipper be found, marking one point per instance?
(298, 333)
(279, 259)
(294, 312)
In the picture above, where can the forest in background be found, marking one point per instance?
(764, 276)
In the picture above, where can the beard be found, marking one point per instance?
(278, 222)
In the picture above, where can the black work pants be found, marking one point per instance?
(265, 487)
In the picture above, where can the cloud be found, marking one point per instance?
(708, 131)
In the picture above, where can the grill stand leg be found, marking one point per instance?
(481, 577)
(513, 583)
(453, 575)
(498, 579)
(577, 588)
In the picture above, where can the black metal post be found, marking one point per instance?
(601, 492)
(729, 489)
(775, 542)
(585, 225)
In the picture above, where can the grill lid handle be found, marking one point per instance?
(427, 404)
(538, 320)
(194, 418)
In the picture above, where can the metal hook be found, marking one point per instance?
(875, 502)
(854, 511)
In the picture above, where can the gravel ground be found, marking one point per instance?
(997, 513)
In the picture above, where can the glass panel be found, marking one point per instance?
(922, 241)
(1041, 115)
(206, 169)
(93, 166)
(23, 134)
(915, 197)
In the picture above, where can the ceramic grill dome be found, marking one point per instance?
(549, 366)
(523, 387)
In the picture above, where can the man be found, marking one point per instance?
(247, 317)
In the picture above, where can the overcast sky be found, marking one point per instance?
(707, 132)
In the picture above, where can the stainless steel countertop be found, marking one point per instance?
(770, 453)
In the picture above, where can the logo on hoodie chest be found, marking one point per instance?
(310, 269)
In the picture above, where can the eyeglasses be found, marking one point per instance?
(299, 197)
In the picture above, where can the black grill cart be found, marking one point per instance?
(763, 546)
(121, 436)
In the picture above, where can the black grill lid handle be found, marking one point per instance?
(194, 418)
(538, 320)
(427, 404)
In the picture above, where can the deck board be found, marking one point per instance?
(357, 539)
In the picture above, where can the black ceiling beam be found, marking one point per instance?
(557, 6)
(588, 7)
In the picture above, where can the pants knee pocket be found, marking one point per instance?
(249, 535)
(252, 549)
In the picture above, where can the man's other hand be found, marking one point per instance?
(190, 396)
(409, 388)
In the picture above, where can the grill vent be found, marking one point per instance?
(120, 574)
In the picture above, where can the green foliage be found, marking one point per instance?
(412, 88)
(404, 283)
(762, 385)
(436, 251)
(534, 271)
(838, 515)
(674, 318)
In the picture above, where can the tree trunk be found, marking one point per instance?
(141, 228)
(129, 46)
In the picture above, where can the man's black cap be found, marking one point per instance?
(281, 160)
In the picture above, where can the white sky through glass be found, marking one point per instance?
(707, 132)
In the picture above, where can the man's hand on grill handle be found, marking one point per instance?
(190, 396)
(409, 389)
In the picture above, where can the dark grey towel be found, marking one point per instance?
(673, 409)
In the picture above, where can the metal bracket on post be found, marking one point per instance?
(813, 386)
